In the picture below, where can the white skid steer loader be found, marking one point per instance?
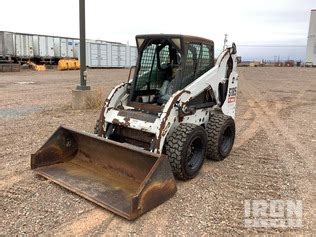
(178, 108)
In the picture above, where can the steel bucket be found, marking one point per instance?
(121, 178)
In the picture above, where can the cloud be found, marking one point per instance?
(246, 22)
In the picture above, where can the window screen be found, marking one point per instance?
(164, 56)
(191, 64)
(205, 61)
(151, 75)
(199, 60)
(148, 61)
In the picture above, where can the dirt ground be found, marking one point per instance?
(273, 158)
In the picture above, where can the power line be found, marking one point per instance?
(272, 46)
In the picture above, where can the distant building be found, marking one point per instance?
(311, 41)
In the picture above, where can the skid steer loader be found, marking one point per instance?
(177, 109)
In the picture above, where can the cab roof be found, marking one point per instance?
(184, 38)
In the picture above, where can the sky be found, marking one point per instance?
(248, 23)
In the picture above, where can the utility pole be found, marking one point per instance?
(83, 66)
(225, 41)
(82, 91)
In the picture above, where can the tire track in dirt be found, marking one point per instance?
(150, 225)
(81, 225)
(270, 119)
(249, 131)
(299, 161)
(9, 181)
(227, 187)
(114, 227)
(147, 225)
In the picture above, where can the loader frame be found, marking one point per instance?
(219, 82)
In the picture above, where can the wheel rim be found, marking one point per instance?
(227, 140)
(194, 156)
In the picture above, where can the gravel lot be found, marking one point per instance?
(273, 158)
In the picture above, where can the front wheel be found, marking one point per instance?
(186, 150)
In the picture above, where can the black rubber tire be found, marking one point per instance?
(185, 162)
(220, 135)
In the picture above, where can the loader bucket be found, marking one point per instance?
(121, 178)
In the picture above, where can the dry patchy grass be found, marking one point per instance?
(95, 100)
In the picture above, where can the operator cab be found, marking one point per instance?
(161, 68)
(158, 66)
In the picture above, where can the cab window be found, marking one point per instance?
(200, 58)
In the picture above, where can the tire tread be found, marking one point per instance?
(213, 130)
(175, 145)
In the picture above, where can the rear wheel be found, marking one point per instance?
(220, 135)
(186, 150)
